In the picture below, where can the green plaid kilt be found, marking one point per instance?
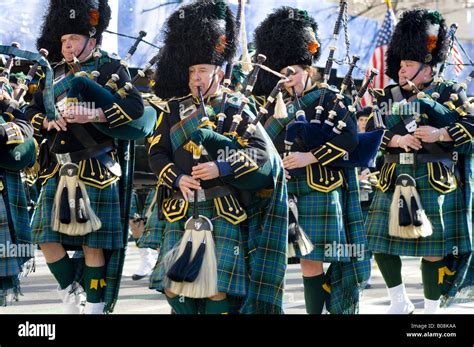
(231, 269)
(106, 205)
(12, 267)
(347, 279)
(321, 217)
(347, 273)
(152, 236)
(365, 206)
(270, 301)
(266, 238)
(445, 211)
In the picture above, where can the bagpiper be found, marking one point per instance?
(423, 202)
(29, 176)
(80, 206)
(325, 215)
(18, 153)
(210, 261)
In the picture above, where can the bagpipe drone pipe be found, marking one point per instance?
(84, 88)
(257, 176)
(314, 134)
(22, 153)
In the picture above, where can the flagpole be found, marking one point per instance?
(367, 99)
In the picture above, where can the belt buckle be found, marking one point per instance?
(201, 196)
(407, 158)
(63, 158)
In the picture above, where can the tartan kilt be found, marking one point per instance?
(9, 266)
(231, 268)
(12, 267)
(446, 213)
(321, 218)
(151, 237)
(346, 281)
(365, 206)
(106, 205)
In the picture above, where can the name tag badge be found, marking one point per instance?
(407, 158)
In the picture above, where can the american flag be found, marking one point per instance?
(378, 57)
(457, 59)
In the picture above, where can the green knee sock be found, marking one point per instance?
(217, 307)
(63, 271)
(314, 294)
(94, 280)
(182, 305)
(391, 268)
(429, 275)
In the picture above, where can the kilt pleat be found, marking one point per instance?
(321, 218)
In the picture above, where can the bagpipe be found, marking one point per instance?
(21, 155)
(423, 103)
(440, 78)
(216, 144)
(330, 60)
(314, 134)
(221, 116)
(84, 87)
(459, 90)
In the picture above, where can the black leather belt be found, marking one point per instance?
(414, 158)
(90, 152)
(206, 194)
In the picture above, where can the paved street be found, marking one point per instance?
(135, 297)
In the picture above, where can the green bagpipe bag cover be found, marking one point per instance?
(87, 90)
(20, 156)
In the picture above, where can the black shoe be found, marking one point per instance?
(136, 277)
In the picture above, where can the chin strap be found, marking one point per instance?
(214, 74)
(416, 74)
(84, 47)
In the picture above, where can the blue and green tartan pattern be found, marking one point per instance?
(336, 217)
(104, 202)
(152, 236)
(182, 131)
(12, 267)
(64, 84)
(460, 286)
(346, 279)
(320, 215)
(267, 243)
